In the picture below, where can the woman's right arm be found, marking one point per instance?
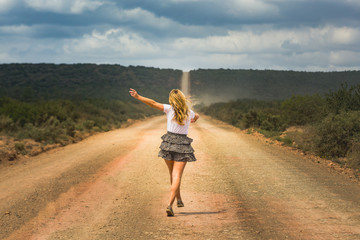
(146, 100)
(195, 118)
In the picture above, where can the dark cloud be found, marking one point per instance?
(291, 13)
(315, 13)
(247, 33)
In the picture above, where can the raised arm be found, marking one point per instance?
(146, 100)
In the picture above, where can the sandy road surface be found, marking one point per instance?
(113, 186)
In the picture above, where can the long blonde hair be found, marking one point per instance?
(179, 102)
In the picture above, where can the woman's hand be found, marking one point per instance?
(134, 93)
(195, 118)
(146, 100)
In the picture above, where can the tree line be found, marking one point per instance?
(216, 85)
(34, 82)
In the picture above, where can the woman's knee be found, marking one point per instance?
(176, 177)
(175, 187)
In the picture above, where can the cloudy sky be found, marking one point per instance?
(306, 35)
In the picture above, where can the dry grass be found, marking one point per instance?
(303, 137)
(353, 156)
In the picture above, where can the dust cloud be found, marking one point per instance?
(185, 88)
(206, 99)
(185, 83)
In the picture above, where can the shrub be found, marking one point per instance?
(304, 138)
(6, 124)
(69, 126)
(353, 156)
(302, 110)
(269, 134)
(251, 119)
(286, 140)
(344, 99)
(88, 124)
(265, 119)
(19, 112)
(337, 132)
(20, 148)
(50, 132)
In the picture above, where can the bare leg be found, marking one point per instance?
(178, 169)
(170, 165)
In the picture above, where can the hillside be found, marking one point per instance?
(216, 85)
(28, 82)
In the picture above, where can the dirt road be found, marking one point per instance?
(113, 186)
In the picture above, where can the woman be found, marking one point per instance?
(175, 148)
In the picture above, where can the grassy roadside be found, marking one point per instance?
(27, 129)
(325, 126)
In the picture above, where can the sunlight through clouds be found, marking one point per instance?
(6, 5)
(113, 41)
(306, 39)
(250, 7)
(345, 35)
(146, 18)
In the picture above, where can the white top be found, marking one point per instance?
(172, 125)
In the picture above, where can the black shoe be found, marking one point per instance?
(180, 203)
(169, 211)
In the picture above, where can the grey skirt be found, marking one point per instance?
(176, 147)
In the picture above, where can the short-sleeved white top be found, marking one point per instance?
(172, 125)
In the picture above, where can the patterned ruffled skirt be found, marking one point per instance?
(176, 147)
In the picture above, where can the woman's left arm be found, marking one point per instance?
(146, 100)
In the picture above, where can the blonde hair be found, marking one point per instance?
(179, 102)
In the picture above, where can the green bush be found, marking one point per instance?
(251, 119)
(266, 119)
(69, 126)
(49, 133)
(19, 112)
(344, 99)
(20, 148)
(337, 132)
(247, 113)
(6, 124)
(302, 110)
(88, 124)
